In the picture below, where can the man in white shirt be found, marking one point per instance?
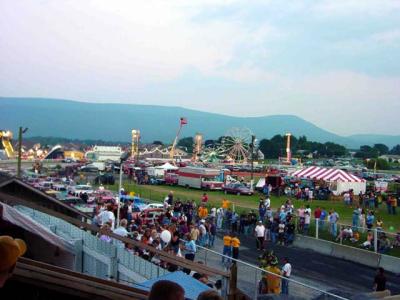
(203, 233)
(267, 202)
(286, 272)
(121, 231)
(260, 233)
(107, 216)
(213, 212)
(220, 215)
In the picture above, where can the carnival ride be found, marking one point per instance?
(197, 147)
(182, 121)
(288, 150)
(234, 146)
(135, 143)
(6, 137)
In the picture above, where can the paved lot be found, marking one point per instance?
(321, 271)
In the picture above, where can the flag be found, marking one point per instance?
(183, 121)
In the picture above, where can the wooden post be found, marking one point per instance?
(233, 283)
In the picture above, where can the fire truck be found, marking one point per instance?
(200, 178)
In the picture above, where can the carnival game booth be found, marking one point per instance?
(338, 180)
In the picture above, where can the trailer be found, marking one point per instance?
(200, 178)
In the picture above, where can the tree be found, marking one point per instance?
(367, 152)
(158, 143)
(381, 149)
(210, 143)
(381, 164)
(395, 150)
(187, 143)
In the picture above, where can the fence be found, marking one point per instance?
(373, 239)
(250, 277)
(96, 257)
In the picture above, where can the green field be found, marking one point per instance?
(157, 193)
(244, 203)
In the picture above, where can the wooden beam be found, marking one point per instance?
(73, 283)
(167, 257)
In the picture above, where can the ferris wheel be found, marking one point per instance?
(236, 144)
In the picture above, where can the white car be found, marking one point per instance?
(154, 205)
(80, 188)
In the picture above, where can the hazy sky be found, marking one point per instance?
(334, 63)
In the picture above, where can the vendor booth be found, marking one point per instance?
(339, 181)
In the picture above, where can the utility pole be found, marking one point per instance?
(20, 132)
(253, 139)
(123, 158)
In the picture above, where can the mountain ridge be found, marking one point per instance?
(114, 122)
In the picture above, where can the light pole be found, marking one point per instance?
(253, 139)
(21, 131)
(123, 158)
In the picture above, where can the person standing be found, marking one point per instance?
(322, 219)
(235, 246)
(204, 198)
(203, 233)
(317, 215)
(333, 219)
(393, 205)
(380, 281)
(307, 221)
(286, 272)
(370, 220)
(389, 204)
(260, 233)
(213, 232)
(220, 216)
(362, 220)
(355, 219)
(227, 250)
(190, 248)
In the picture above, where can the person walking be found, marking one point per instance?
(260, 233)
(286, 272)
(235, 246)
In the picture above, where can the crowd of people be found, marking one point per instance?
(183, 226)
(178, 230)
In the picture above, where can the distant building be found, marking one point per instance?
(390, 158)
(104, 153)
(161, 153)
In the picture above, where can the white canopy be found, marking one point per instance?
(167, 166)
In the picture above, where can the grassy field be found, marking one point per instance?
(245, 203)
(157, 193)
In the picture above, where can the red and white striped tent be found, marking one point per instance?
(339, 180)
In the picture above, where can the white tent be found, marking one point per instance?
(339, 180)
(167, 167)
(160, 170)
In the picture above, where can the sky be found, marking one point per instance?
(333, 63)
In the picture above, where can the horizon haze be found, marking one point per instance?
(334, 64)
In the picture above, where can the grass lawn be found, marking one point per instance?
(157, 193)
(242, 203)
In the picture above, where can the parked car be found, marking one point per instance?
(154, 205)
(150, 216)
(89, 169)
(107, 178)
(237, 188)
